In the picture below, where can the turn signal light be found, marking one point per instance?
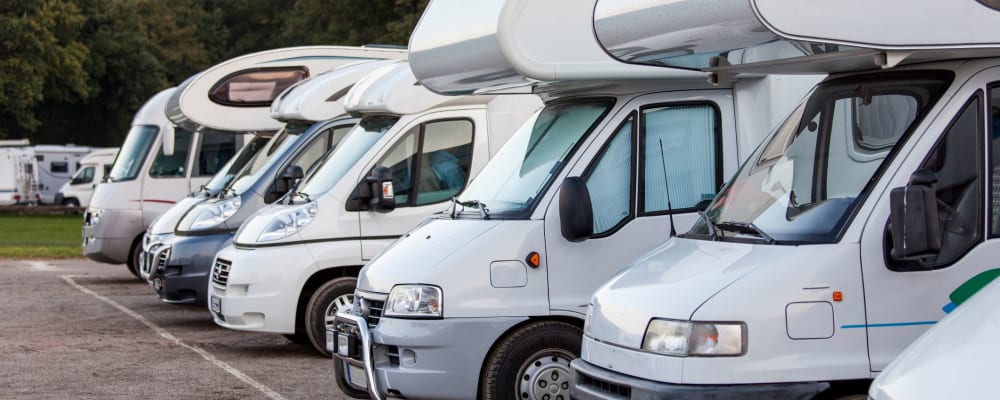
(533, 259)
(838, 296)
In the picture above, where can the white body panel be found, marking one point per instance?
(954, 359)
(79, 189)
(18, 173)
(56, 165)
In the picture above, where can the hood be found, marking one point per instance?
(672, 281)
(168, 221)
(417, 257)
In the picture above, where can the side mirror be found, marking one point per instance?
(285, 182)
(375, 192)
(915, 229)
(576, 214)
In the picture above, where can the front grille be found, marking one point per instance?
(614, 389)
(220, 271)
(371, 307)
(161, 261)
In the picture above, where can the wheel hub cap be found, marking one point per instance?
(545, 377)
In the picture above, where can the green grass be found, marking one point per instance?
(40, 236)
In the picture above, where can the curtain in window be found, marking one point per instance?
(609, 183)
(685, 136)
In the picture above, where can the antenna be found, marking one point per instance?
(666, 181)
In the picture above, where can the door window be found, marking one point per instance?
(431, 163)
(679, 149)
(85, 175)
(994, 128)
(324, 142)
(172, 166)
(216, 150)
(609, 181)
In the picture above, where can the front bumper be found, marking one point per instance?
(417, 359)
(258, 289)
(110, 239)
(591, 382)
(178, 267)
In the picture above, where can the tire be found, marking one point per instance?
(529, 360)
(71, 202)
(133, 258)
(321, 307)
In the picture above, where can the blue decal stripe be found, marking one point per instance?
(888, 325)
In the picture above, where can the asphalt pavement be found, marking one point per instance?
(76, 329)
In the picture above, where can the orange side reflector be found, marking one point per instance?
(838, 296)
(533, 259)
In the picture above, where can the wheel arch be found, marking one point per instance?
(316, 280)
(577, 322)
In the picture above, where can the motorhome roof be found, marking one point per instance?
(786, 36)
(321, 97)
(54, 148)
(220, 98)
(392, 89)
(151, 113)
(15, 143)
(459, 47)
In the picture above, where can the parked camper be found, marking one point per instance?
(93, 168)
(213, 110)
(56, 165)
(18, 175)
(488, 299)
(178, 257)
(293, 264)
(844, 236)
(954, 359)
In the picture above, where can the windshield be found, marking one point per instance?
(133, 152)
(526, 164)
(341, 158)
(271, 153)
(223, 177)
(803, 184)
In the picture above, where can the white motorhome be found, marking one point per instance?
(56, 165)
(183, 242)
(954, 359)
(93, 168)
(842, 237)
(18, 173)
(488, 299)
(293, 264)
(212, 110)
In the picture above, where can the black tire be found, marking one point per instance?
(530, 359)
(71, 202)
(321, 304)
(133, 258)
(298, 338)
(338, 373)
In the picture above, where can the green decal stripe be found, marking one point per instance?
(971, 286)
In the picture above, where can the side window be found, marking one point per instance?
(323, 143)
(216, 150)
(172, 166)
(338, 133)
(954, 161)
(59, 167)
(84, 176)
(609, 181)
(445, 160)
(681, 142)
(994, 129)
(431, 163)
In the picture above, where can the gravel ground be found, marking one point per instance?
(76, 329)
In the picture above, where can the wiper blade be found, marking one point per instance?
(483, 211)
(712, 232)
(746, 228)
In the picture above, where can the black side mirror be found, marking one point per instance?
(289, 177)
(576, 214)
(375, 192)
(916, 232)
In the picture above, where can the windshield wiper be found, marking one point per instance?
(746, 228)
(712, 232)
(455, 202)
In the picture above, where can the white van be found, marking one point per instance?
(294, 263)
(56, 165)
(488, 299)
(956, 358)
(182, 243)
(18, 175)
(93, 168)
(844, 235)
(212, 110)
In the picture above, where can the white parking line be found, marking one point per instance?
(167, 335)
(41, 266)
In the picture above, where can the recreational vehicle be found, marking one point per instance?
(845, 235)
(293, 264)
(488, 299)
(56, 165)
(18, 173)
(93, 168)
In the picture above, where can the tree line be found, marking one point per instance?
(75, 71)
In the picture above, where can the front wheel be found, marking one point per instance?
(323, 306)
(134, 258)
(532, 363)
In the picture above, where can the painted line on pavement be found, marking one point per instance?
(168, 336)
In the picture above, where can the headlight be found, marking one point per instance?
(287, 223)
(214, 214)
(420, 301)
(685, 338)
(93, 216)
